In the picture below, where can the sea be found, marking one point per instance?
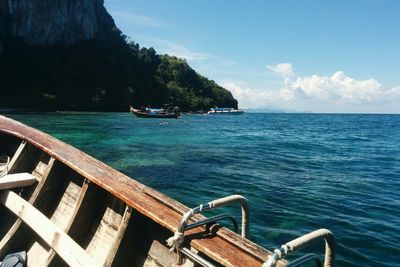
(299, 172)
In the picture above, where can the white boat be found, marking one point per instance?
(225, 111)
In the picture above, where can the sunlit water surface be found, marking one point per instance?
(300, 172)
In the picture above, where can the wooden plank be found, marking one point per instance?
(67, 226)
(16, 157)
(16, 180)
(159, 255)
(57, 239)
(11, 232)
(37, 253)
(42, 181)
(65, 208)
(118, 238)
(77, 204)
(40, 170)
(3, 166)
(103, 235)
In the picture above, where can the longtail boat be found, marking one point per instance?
(63, 207)
(159, 113)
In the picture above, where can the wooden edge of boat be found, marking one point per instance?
(225, 248)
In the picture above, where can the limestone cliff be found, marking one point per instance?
(43, 22)
(69, 55)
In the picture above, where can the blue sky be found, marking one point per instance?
(320, 56)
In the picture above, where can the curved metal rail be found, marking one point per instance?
(305, 241)
(214, 219)
(176, 241)
(221, 202)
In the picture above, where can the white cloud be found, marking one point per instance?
(245, 96)
(137, 19)
(180, 51)
(250, 98)
(283, 69)
(335, 93)
(338, 87)
(394, 94)
(173, 48)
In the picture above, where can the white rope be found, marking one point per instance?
(270, 262)
(276, 256)
(175, 241)
(200, 208)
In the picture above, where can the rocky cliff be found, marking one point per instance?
(42, 22)
(69, 55)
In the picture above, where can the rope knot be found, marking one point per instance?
(271, 262)
(200, 207)
(175, 241)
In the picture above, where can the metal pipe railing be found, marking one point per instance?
(214, 219)
(196, 258)
(176, 241)
(221, 202)
(245, 210)
(305, 241)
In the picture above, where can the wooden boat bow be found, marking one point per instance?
(162, 213)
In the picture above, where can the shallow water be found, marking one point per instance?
(300, 172)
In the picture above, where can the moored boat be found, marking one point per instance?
(65, 208)
(156, 113)
(225, 111)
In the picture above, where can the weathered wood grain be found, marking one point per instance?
(16, 223)
(17, 180)
(57, 239)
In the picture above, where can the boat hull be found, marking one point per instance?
(226, 113)
(141, 114)
(99, 215)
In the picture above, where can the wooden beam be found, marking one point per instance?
(56, 238)
(13, 229)
(77, 206)
(17, 157)
(16, 180)
(120, 234)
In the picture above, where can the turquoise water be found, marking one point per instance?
(300, 172)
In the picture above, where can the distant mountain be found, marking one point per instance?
(69, 55)
(264, 110)
(269, 109)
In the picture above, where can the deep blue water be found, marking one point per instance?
(300, 172)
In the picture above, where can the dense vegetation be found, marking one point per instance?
(104, 74)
